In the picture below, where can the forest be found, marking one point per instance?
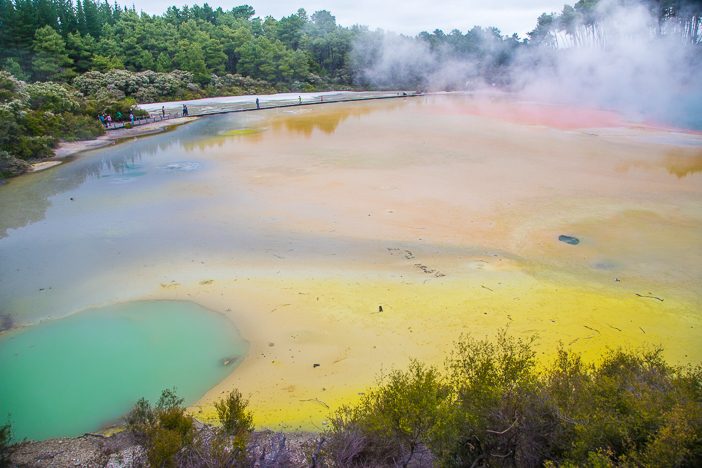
(64, 61)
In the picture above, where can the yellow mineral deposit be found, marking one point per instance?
(449, 211)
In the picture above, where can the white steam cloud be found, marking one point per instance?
(626, 61)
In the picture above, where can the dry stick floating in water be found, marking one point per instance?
(644, 331)
(593, 329)
(612, 326)
(316, 400)
(485, 287)
(649, 297)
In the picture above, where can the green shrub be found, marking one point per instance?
(5, 445)
(165, 429)
(393, 423)
(42, 123)
(80, 127)
(493, 407)
(53, 97)
(493, 385)
(235, 418)
(35, 147)
(228, 445)
(10, 166)
(141, 419)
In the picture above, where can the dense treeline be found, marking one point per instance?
(581, 24)
(108, 57)
(57, 39)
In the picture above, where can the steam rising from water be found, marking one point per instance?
(619, 63)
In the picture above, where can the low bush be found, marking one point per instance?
(170, 438)
(80, 127)
(165, 429)
(10, 166)
(492, 406)
(229, 444)
(233, 414)
(5, 446)
(394, 423)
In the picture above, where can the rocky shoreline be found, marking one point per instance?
(122, 450)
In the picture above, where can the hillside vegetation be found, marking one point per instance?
(93, 57)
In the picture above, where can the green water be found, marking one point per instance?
(74, 375)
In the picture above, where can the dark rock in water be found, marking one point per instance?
(569, 239)
(229, 361)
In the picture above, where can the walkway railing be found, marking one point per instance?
(143, 120)
(245, 106)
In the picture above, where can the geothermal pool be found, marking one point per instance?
(78, 374)
(297, 224)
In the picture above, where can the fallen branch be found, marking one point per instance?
(497, 455)
(502, 432)
(649, 297)
(317, 400)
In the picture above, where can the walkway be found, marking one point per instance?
(195, 110)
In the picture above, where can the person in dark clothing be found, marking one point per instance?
(163, 111)
(101, 118)
(185, 110)
(258, 105)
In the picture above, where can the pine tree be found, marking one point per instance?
(80, 18)
(80, 50)
(7, 20)
(68, 22)
(92, 18)
(51, 61)
(190, 57)
(13, 67)
(163, 63)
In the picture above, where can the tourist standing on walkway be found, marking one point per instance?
(258, 105)
(185, 110)
(109, 120)
(163, 111)
(299, 99)
(131, 117)
(101, 118)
